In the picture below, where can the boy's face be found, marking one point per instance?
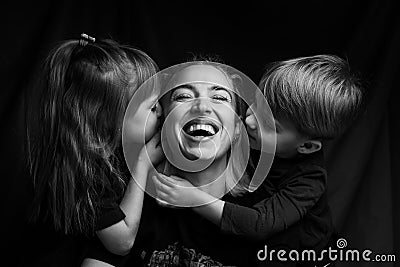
(288, 139)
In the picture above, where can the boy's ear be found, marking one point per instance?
(309, 146)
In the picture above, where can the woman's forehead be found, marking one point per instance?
(200, 74)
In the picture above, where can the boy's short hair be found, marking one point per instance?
(319, 94)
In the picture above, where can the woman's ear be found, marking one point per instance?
(309, 146)
(238, 126)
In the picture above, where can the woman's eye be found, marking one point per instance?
(221, 98)
(181, 97)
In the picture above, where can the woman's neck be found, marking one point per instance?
(210, 180)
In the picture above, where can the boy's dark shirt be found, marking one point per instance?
(289, 210)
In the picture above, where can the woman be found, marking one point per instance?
(200, 135)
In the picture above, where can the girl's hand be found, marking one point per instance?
(176, 192)
(152, 153)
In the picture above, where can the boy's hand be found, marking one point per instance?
(176, 192)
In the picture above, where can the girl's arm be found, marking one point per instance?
(120, 237)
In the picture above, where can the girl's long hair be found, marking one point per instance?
(74, 130)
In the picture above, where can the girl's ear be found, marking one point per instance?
(309, 146)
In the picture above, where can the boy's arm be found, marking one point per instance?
(276, 213)
(174, 191)
(213, 210)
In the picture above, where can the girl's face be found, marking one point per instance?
(143, 124)
(201, 114)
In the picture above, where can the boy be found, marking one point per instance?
(312, 99)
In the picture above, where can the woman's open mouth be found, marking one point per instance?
(200, 128)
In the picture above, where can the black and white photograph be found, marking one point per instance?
(200, 133)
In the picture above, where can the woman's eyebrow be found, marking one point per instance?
(183, 86)
(217, 87)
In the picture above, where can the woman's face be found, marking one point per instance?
(201, 113)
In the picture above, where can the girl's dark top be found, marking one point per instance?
(110, 195)
(109, 212)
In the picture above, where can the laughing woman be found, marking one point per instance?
(202, 130)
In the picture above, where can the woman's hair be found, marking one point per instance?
(319, 94)
(74, 129)
(237, 180)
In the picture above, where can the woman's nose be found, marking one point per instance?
(201, 105)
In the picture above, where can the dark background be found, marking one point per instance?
(364, 185)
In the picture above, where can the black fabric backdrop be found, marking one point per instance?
(363, 164)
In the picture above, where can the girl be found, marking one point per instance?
(74, 140)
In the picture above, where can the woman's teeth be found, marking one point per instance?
(201, 130)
